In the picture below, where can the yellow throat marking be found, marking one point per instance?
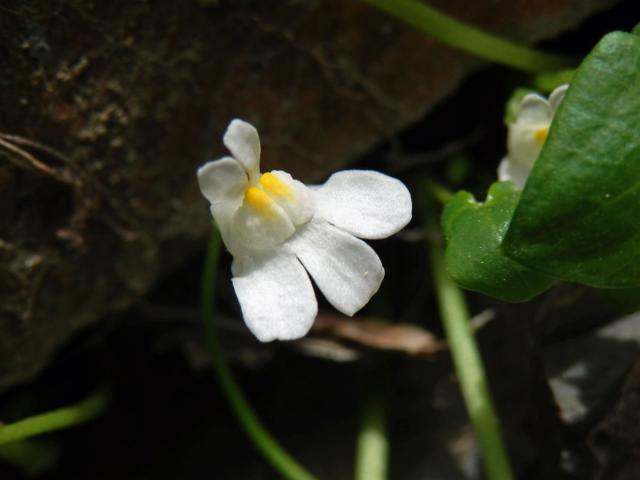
(259, 201)
(276, 187)
(261, 197)
(540, 135)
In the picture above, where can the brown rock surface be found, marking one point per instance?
(133, 96)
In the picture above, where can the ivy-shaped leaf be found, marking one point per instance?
(579, 216)
(474, 232)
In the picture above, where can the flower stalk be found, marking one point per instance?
(58, 419)
(471, 39)
(467, 361)
(372, 450)
(268, 446)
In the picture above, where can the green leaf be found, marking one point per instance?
(579, 215)
(473, 258)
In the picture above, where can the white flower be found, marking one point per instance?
(280, 231)
(527, 135)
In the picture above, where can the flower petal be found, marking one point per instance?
(515, 172)
(556, 97)
(275, 295)
(220, 179)
(523, 145)
(223, 182)
(242, 140)
(292, 195)
(534, 110)
(347, 270)
(261, 226)
(364, 203)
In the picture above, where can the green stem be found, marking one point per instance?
(438, 191)
(61, 418)
(468, 365)
(273, 452)
(372, 449)
(471, 39)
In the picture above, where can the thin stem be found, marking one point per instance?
(472, 39)
(273, 452)
(468, 365)
(438, 191)
(61, 418)
(372, 450)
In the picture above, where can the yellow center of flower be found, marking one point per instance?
(259, 201)
(274, 186)
(540, 135)
(264, 197)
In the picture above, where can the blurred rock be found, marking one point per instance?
(616, 440)
(585, 371)
(115, 104)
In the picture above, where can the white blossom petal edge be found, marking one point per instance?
(280, 231)
(527, 135)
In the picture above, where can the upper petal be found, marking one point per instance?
(220, 179)
(347, 270)
(242, 140)
(275, 295)
(365, 203)
(556, 97)
(534, 110)
(223, 182)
